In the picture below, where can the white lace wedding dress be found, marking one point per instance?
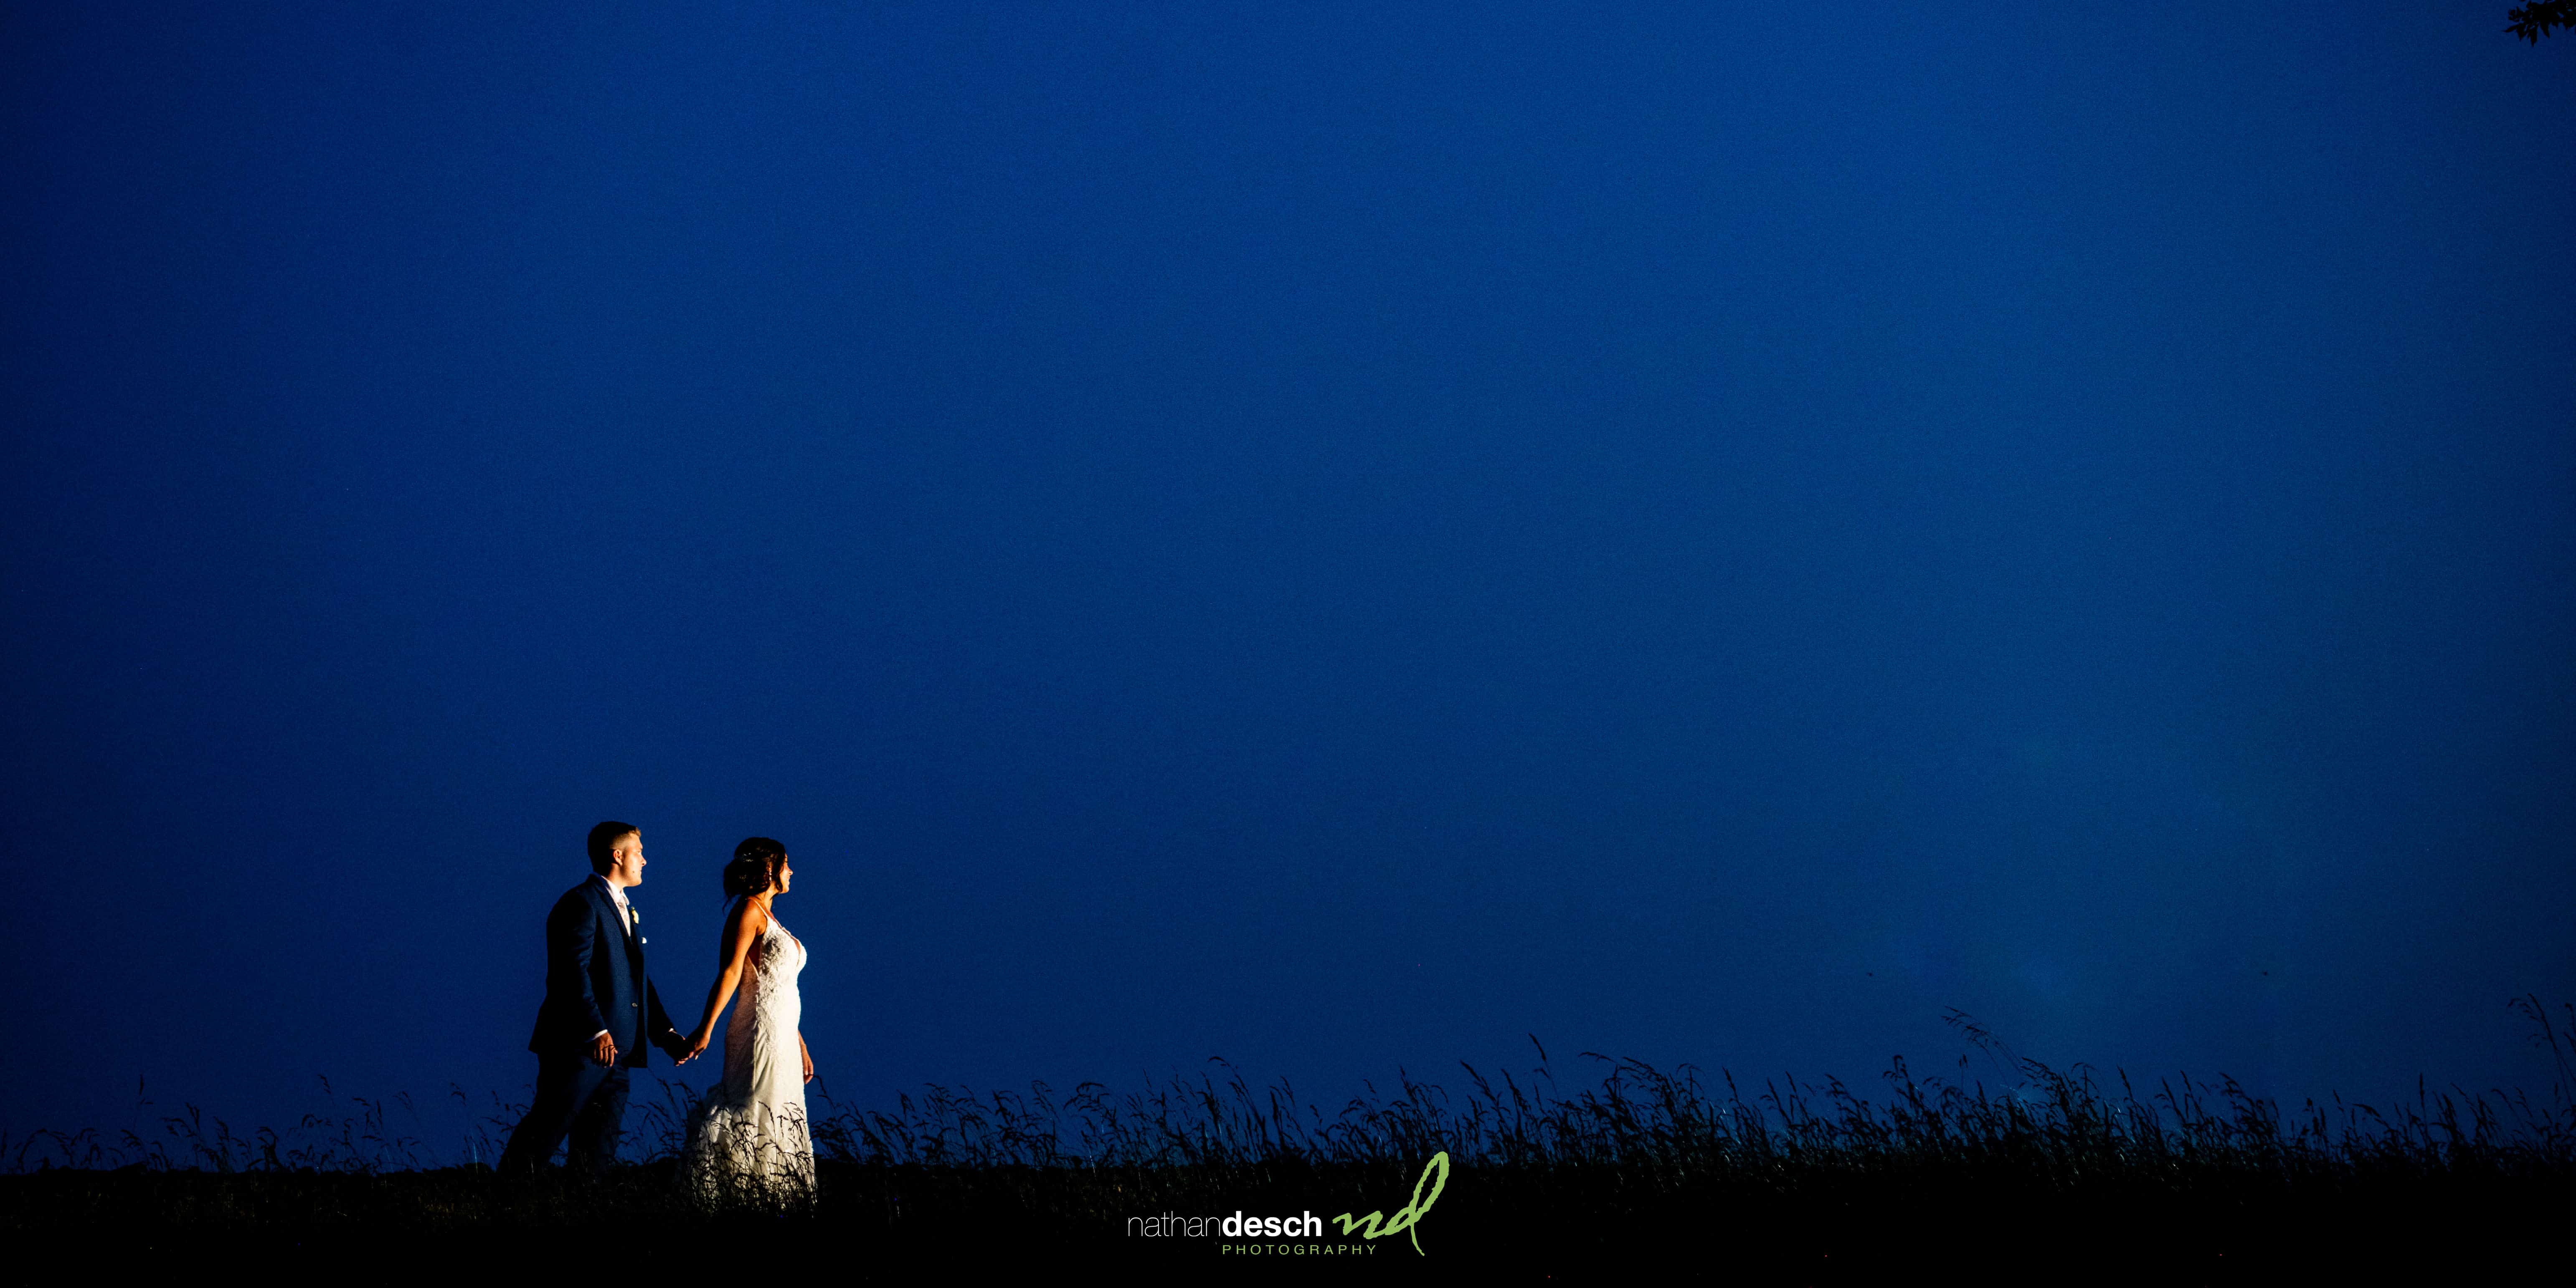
(748, 1140)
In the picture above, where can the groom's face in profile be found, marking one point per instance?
(626, 860)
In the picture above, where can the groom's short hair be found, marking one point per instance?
(603, 844)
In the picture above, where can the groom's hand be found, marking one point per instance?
(603, 1050)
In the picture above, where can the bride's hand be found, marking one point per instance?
(809, 1059)
(697, 1046)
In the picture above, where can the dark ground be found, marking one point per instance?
(880, 1222)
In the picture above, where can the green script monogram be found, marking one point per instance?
(1405, 1216)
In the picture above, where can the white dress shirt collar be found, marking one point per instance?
(616, 895)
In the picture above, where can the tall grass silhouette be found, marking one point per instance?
(1551, 1164)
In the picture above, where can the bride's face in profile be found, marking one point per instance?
(784, 872)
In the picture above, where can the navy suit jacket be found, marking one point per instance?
(595, 980)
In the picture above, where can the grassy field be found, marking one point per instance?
(1786, 1181)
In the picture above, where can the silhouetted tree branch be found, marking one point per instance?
(2539, 18)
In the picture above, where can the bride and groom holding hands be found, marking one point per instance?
(749, 1138)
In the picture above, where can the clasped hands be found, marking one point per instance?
(603, 1049)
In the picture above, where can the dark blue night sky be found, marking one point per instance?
(1333, 537)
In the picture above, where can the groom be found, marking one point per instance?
(599, 1010)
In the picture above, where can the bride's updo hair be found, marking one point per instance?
(754, 869)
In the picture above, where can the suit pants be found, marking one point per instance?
(574, 1096)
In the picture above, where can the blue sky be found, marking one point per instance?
(1335, 537)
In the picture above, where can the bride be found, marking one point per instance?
(748, 1140)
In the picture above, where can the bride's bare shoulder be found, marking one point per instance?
(739, 917)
